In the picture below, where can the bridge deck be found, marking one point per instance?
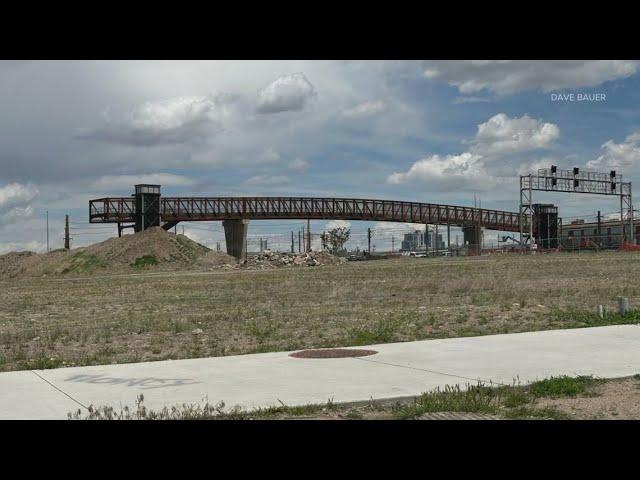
(180, 209)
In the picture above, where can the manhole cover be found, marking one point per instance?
(332, 353)
(456, 416)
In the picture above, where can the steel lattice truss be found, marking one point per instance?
(190, 209)
(581, 182)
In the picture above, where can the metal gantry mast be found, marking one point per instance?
(574, 181)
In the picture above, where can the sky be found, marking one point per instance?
(450, 132)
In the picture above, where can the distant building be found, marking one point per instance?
(415, 241)
(579, 234)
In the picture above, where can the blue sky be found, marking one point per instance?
(431, 131)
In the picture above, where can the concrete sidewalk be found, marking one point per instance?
(260, 380)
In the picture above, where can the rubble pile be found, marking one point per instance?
(269, 259)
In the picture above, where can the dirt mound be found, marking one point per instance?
(16, 264)
(152, 249)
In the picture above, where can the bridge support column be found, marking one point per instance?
(235, 235)
(473, 236)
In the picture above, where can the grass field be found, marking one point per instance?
(51, 322)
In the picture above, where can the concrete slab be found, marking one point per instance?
(25, 396)
(249, 381)
(612, 351)
(400, 369)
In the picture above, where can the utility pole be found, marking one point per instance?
(305, 239)
(393, 243)
(426, 238)
(369, 241)
(47, 231)
(66, 232)
(292, 246)
(299, 241)
(598, 227)
(308, 235)
(448, 236)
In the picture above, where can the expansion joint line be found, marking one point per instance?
(60, 390)
(430, 371)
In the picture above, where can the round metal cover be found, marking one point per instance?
(332, 353)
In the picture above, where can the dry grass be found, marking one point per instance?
(559, 398)
(49, 322)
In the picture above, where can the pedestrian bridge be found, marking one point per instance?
(193, 209)
(147, 208)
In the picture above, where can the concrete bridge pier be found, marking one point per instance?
(235, 235)
(473, 237)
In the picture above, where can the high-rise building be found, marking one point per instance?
(415, 241)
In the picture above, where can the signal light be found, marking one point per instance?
(612, 174)
(576, 182)
(554, 181)
(553, 169)
(613, 186)
(576, 170)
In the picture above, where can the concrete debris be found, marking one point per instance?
(269, 259)
(197, 331)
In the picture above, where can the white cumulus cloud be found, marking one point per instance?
(503, 135)
(290, 92)
(15, 200)
(489, 156)
(446, 171)
(165, 122)
(618, 155)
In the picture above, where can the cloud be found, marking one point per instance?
(461, 100)
(337, 224)
(501, 135)
(208, 239)
(298, 165)
(16, 194)
(267, 180)
(32, 246)
(386, 228)
(16, 214)
(269, 156)
(365, 109)
(512, 76)
(15, 201)
(128, 181)
(174, 121)
(445, 172)
(618, 155)
(287, 93)
(489, 155)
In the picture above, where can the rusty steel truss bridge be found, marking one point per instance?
(171, 210)
(146, 208)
